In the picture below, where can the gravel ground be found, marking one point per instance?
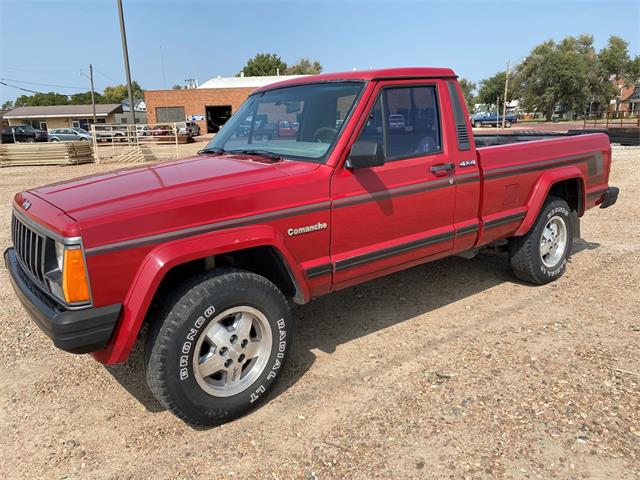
(448, 370)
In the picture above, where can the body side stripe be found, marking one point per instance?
(390, 251)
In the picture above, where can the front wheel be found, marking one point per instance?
(541, 255)
(507, 124)
(477, 124)
(218, 346)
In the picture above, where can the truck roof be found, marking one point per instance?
(364, 75)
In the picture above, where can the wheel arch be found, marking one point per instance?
(259, 249)
(566, 183)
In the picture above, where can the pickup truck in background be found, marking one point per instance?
(22, 133)
(208, 251)
(491, 119)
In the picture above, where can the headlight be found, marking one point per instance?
(60, 255)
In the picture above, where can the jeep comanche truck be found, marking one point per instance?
(208, 251)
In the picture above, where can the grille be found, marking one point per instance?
(30, 248)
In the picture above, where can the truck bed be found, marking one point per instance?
(493, 139)
(515, 167)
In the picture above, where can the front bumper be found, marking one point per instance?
(75, 331)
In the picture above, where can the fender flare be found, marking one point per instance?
(541, 191)
(164, 257)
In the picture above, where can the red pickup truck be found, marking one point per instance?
(209, 250)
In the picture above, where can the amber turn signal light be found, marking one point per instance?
(74, 277)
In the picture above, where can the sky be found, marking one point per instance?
(50, 42)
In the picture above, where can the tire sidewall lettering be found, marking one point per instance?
(277, 362)
(190, 339)
(558, 270)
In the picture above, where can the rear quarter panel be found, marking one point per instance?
(517, 178)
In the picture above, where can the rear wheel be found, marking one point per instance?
(541, 255)
(55, 140)
(477, 124)
(30, 140)
(218, 346)
(507, 124)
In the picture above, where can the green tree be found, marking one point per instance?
(118, 93)
(264, 64)
(490, 88)
(467, 87)
(560, 75)
(8, 105)
(41, 99)
(304, 67)
(632, 75)
(177, 87)
(614, 59)
(85, 98)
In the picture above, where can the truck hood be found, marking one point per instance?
(133, 188)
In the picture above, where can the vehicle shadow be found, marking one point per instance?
(344, 316)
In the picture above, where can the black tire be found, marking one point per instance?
(477, 124)
(180, 324)
(31, 140)
(524, 252)
(507, 124)
(55, 139)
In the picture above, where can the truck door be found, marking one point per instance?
(388, 217)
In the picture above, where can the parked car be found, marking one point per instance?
(143, 131)
(397, 122)
(191, 129)
(23, 133)
(162, 130)
(111, 133)
(208, 251)
(287, 129)
(73, 134)
(491, 119)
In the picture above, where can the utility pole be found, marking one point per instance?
(498, 115)
(93, 95)
(125, 52)
(506, 89)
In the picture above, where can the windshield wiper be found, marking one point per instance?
(217, 150)
(260, 153)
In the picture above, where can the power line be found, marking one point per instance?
(43, 84)
(20, 88)
(107, 76)
(5, 67)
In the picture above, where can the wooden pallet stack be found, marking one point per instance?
(54, 153)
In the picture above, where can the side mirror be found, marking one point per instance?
(366, 155)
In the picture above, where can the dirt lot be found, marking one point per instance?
(448, 370)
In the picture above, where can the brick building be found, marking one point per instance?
(209, 105)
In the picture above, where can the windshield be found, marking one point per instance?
(300, 122)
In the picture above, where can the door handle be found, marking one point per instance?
(442, 168)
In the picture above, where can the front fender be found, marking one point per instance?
(166, 256)
(541, 191)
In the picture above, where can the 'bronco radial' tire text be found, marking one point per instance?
(541, 255)
(218, 345)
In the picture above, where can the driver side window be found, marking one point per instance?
(406, 124)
